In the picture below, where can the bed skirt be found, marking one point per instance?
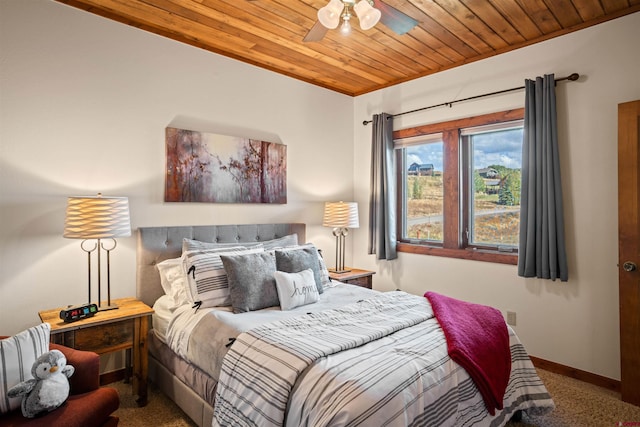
(188, 386)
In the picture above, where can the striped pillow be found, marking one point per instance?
(279, 242)
(17, 355)
(197, 245)
(207, 283)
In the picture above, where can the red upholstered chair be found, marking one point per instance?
(88, 403)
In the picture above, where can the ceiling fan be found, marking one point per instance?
(369, 12)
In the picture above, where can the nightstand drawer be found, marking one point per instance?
(354, 276)
(105, 338)
(365, 282)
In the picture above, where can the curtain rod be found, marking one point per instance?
(572, 77)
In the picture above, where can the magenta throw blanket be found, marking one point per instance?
(478, 340)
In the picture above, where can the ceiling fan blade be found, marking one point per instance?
(397, 21)
(316, 33)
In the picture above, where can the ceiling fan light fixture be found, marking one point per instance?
(367, 14)
(329, 15)
(345, 28)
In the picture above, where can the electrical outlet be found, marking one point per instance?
(511, 318)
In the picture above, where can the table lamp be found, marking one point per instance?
(341, 216)
(98, 218)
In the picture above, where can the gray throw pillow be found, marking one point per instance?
(252, 285)
(294, 260)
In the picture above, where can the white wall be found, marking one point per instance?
(573, 323)
(84, 103)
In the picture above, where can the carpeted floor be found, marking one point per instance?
(577, 404)
(582, 404)
(159, 412)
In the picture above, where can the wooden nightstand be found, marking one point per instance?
(124, 328)
(356, 277)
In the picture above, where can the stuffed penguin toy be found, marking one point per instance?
(49, 387)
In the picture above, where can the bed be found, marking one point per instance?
(203, 373)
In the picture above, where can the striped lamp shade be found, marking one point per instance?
(341, 215)
(97, 217)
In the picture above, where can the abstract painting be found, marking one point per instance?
(213, 168)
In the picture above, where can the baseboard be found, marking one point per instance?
(578, 374)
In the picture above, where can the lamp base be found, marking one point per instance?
(335, 270)
(108, 307)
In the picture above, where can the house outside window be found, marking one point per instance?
(459, 187)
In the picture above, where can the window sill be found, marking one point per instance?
(475, 255)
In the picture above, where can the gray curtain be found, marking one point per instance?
(542, 251)
(382, 202)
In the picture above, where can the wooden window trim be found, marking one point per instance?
(452, 246)
(463, 253)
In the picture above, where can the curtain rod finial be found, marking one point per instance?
(574, 77)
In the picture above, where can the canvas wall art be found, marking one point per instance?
(213, 168)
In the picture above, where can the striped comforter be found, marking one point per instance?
(382, 361)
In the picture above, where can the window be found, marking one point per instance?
(423, 192)
(459, 187)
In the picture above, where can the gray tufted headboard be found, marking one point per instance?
(155, 244)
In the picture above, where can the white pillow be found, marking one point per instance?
(163, 310)
(17, 355)
(207, 283)
(173, 281)
(296, 289)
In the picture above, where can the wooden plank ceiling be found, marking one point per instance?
(270, 33)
